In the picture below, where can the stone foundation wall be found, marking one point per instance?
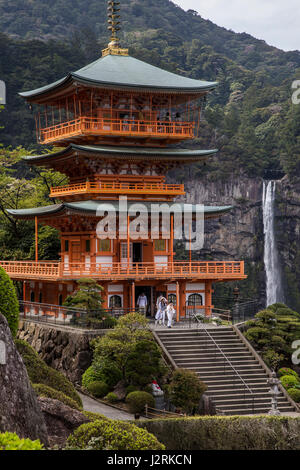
(63, 348)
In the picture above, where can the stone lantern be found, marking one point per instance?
(274, 391)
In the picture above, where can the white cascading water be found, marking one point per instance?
(271, 259)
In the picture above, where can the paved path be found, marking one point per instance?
(89, 404)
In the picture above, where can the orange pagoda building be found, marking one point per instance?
(115, 122)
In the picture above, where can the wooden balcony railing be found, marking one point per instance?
(114, 127)
(118, 271)
(118, 188)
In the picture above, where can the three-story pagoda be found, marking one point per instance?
(116, 120)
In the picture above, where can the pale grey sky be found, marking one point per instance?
(275, 21)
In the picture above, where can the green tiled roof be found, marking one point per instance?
(126, 72)
(168, 153)
(91, 207)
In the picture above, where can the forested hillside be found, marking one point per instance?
(249, 117)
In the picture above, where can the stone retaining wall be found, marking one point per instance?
(65, 349)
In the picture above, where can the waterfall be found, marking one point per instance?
(271, 259)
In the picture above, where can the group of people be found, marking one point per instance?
(165, 310)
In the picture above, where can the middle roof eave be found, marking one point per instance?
(119, 152)
(91, 207)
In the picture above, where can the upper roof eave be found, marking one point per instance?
(133, 75)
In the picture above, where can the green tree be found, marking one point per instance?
(185, 390)
(87, 297)
(9, 305)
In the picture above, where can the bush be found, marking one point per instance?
(112, 398)
(294, 393)
(112, 435)
(94, 416)
(138, 400)
(286, 371)
(107, 371)
(186, 390)
(144, 363)
(40, 373)
(10, 441)
(48, 392)
(9, 305)
(289, 381)
(89, 376)
(98, 389)
(131, 388)
(226, 432)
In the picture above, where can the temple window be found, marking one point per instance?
(104, 246)
(160, 245)
(195, 299)
(115, 301)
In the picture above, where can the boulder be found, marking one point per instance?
(19, 408)
(61, 420)
(120, 390)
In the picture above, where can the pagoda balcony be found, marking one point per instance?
(99, 127)
(195, 270)
(118, 188)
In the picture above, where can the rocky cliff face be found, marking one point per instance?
(239, 234)
(19, 409)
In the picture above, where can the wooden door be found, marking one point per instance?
(75, 255)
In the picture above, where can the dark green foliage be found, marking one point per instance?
(48, 392)
(112, 435)
(185, 390)
(87, 297)
(107, 371)
(98, 389)
(138, 400)
(273, 332)
(40, 373)
(9, 305)
(144, 363)
(226, 433)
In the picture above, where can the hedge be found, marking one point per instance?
(10, 441)
(44, 391)
(40, 373)
(98, 389)
(112, 435)
(226, 432)
(9, 305)
(138, 400)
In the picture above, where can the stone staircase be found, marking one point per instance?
(236, 380)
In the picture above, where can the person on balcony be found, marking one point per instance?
(170, 314)
(142, 304)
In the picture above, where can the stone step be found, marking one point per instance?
(219, 361)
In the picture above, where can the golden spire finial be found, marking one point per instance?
(114, 26)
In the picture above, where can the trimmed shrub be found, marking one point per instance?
(286, 371)
(10, 441)
(186, 390)
(112, 435)
(94, 416)
(9, 305)
(40, 373)
(107, 371)
(48, 392)
(131, 388)
(98, 389)
(112, 398)
(89, 376)
(294, 393)
(289, 381)
(137, 401)
(226, 432)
